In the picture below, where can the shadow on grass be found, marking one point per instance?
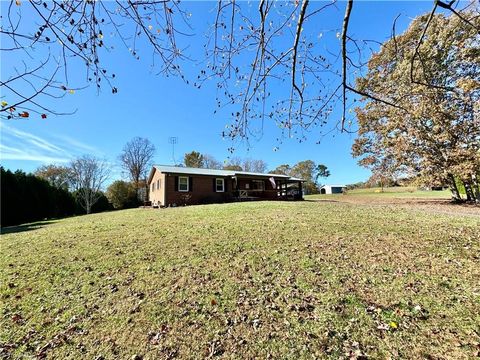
(26, 227)
(445, 202)
(322, 200)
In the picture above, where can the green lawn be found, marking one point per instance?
(393, 192)
(245, 280)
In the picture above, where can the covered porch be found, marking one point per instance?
(250, 188)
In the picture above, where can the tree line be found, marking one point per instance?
(54, 191)
(30, 197)
(197, 160)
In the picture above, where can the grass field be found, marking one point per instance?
(246, 280)
(395, 192)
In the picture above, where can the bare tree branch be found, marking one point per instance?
(346, 20)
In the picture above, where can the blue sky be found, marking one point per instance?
(156, 107)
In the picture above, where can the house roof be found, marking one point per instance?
(213, 172)
(335, 185)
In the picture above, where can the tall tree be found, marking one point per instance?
(321, 171)
(136, 159)
(283, 169)
(234, 163)
(209, 162)
(434, 128)
(193, 159)
(255, 165)
(58, 176)
(89, 174)
(309, 171)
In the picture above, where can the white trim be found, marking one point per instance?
(216, 185)
(188, 183)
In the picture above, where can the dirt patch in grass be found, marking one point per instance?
(430, 204)
(249, 280)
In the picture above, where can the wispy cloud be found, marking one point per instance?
(78, 144)
(20, 145)
(9, 153)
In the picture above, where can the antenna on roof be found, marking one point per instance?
(173, 140)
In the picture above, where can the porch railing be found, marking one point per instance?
(268, 194)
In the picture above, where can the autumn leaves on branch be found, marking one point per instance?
(433, 134)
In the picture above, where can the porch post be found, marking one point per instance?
(300, 190)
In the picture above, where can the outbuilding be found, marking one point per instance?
(332, 189)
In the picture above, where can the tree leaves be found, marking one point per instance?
(434, 132)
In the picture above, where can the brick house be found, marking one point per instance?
(175, 186)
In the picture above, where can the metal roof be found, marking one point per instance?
(192, 171)
(327, 185)
(214, 172)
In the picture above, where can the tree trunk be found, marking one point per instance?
(88, 202)
(476, 188)
(136, 183)
(147, 189)
(468, 190)
(453, 188)
(476, 194)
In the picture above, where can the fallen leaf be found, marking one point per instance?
(16, 318)
(382, 327)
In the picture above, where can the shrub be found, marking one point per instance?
(122, 195)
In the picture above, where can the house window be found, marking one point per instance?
(219, 185)
(158, 184)
(258, 185)
(183, 183)
(153, 187)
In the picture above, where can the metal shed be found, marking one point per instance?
(332, 189)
